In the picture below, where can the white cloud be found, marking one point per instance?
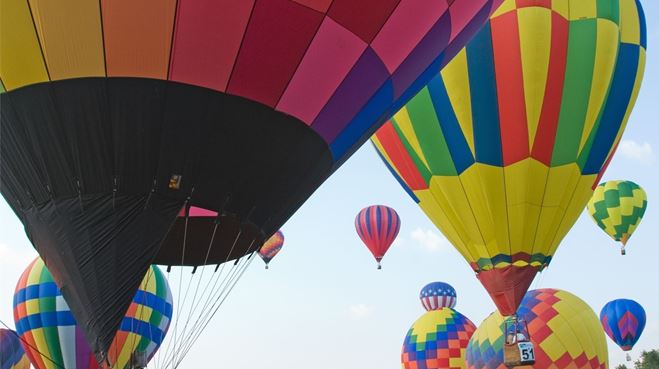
(360, 311)
(636, 151)
(430, 240)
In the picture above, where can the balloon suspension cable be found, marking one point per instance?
(210, 292)
(32, 348)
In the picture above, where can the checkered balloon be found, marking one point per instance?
(564, 330)
(437, 340)
(618, 207)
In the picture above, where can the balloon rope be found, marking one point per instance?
(30, 346)
(232, 284)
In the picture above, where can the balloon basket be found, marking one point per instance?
(518, 349)
(628, 358)
(267, 267)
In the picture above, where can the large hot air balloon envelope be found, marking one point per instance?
(503, 148)
(377, 226)
(12, 355)
(437, 295)
(53, 340)
(271, 247)
(618, 207)
(117, 114)
(437, 340)
(563, 328)
(623, 321)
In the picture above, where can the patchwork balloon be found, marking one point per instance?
(118, 113)
(271, 247)
(623, 321)
(437, 340)
(377, 226)
(503, 148)
(564, 330)
(437, 295)
(12, 355)
(54, 340)
(618, 207)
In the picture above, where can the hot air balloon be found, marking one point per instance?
(618, 207)
(438, 295)
(564, 329)
(12, 355)
(271, 247)
(437, 340)
(53, 340)
(118, 114)
(623, 321)
(502, 149)
(377, 226)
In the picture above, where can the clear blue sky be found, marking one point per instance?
(324, 305)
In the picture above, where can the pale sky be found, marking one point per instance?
(323, 304)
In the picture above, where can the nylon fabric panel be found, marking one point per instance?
(605, 63)
(275, 41)
(482, 84)
(576, 90)
(613, 115)
(430, 135)
(536, 36)
(71, 37)
(207, 38)
(454, 76)
(22, 62)
(510, 88)
(403, 124)
(460, 153)
(135, 47)
(525, 189)
(551, 107)
(485, 189)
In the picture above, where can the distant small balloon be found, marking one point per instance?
(618, 207)
(378, 226)
(623, 321)
(271, 247)
(437, 295)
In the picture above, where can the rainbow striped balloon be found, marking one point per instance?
(45, 322)
(12, 355)
(271, 247)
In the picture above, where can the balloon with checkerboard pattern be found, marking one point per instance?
(564, 330)
(437, 340)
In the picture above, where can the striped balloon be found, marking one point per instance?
(271, 247)
(623, 321)
(12, 355)
(618, 207)
(503, 148)
(45, 322)
(378, 226)
(437, 295)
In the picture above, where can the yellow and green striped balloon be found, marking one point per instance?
(618, 207)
